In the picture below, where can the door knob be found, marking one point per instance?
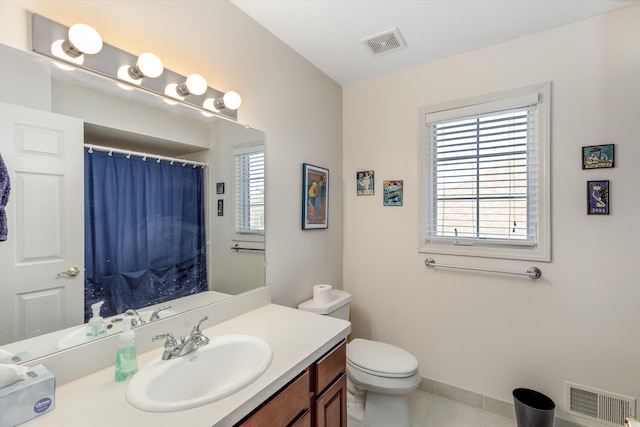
(71, 272)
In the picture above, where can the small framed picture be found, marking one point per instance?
(220, 188)
(598, 197)
(315, 197)
(597, 156)
(365, 183)
(220, 207)
(392, 193)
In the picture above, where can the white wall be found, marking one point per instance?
(298, 107)
(491, 333)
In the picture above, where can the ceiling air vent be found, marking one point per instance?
(605, 407)
(389, 41)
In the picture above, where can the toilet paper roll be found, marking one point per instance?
(322, 294)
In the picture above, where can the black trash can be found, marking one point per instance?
(533, 409)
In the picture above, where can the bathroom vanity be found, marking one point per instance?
(305, 384)
(317, 397)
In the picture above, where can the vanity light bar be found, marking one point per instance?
(48, 34)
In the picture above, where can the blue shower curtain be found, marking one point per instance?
(144, 231)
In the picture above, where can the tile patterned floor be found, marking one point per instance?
(429, 410)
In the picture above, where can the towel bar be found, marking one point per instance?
(532, 272)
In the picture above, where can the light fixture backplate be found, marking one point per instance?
(106, 63)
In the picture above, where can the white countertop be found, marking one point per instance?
(297, 339)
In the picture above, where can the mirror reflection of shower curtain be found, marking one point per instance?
(144, 231)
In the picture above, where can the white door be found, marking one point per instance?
(45, 217)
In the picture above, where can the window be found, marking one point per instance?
(485, 182)
(249, 191)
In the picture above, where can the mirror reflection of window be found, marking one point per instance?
(249, 190)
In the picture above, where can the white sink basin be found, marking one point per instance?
(224, 366)
(78, 335)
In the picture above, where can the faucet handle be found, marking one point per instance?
(170, 342)
(196, 327)
(155, 315)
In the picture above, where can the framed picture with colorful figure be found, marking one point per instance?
(315, 197)
(392, 193)
(598, 197)
(597, 156)
(365, 183)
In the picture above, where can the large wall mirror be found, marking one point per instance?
(66, 223)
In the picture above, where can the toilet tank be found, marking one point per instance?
(339, 306)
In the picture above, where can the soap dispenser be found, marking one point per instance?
(96, 327)
(127, 355)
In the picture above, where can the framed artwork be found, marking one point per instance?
(220, 207)
(392, 193)
(597, 156)
(365, 183)
(220, 188)
(315, 197)
(598, 198)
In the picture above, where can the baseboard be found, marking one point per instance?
(479, 401)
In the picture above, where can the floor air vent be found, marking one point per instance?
(608, 408)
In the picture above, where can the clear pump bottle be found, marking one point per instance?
(127, 355)
(96, 327)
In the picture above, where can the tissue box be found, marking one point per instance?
(27, 399)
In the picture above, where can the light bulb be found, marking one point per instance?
(210, 104)
(195, 84)
(123, 74)
(147, 65)
(58, 51)
(171, 90)
(82, 39)
(232, 100)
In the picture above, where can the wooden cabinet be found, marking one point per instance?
(331, 406)
(329, 393)
(315, 398)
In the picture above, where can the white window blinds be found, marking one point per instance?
(482, 169)
(249, 191)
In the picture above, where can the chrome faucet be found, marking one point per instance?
(155, 315)
(136, 319)
(173, 349)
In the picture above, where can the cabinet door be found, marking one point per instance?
(331, 406)
(284, 407)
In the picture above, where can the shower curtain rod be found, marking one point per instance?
(144, 156)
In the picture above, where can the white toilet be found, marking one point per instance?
(379, 375)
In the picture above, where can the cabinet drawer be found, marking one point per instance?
(330, 366)
(303, 421)
(284, 407)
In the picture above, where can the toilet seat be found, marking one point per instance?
(380, 359)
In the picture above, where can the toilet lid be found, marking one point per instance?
(380, 358)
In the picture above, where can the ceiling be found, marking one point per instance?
(328, 33)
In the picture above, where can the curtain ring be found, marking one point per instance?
(110, 152)
(90, 149)
(129, 155)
